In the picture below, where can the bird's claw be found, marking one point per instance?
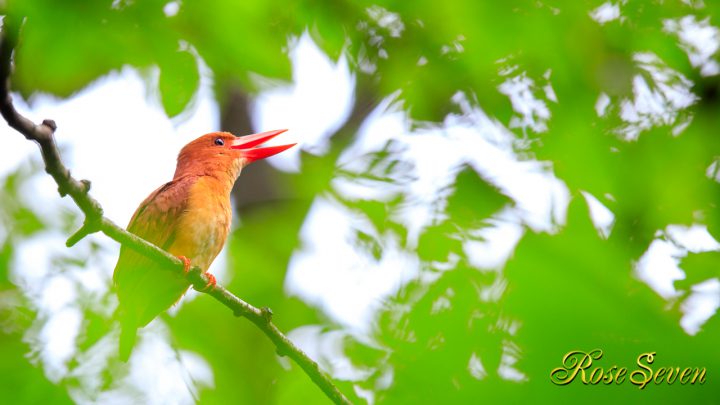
(211, 279)
(211, 283)
(186, 264)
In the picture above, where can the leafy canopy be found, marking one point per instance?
(616, 108)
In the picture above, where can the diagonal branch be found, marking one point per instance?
(78, 190)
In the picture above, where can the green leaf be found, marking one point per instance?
(437, 242)
(698, 267)
(369, 244)
(179, 81)
(97, 40)
(23, 380)
(473, 199)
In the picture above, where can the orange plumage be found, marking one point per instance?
(189, 217)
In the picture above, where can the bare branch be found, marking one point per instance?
(43, 134)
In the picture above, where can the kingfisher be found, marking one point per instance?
(188, 217)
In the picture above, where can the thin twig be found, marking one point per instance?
(78, 190)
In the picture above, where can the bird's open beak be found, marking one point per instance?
(247, 145)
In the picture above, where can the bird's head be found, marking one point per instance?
(222, 153)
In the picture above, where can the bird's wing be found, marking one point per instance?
(155, 221)
(156, 217)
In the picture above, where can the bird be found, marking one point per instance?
(188, 217)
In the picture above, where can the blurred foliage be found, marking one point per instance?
(22, 381)
(699, 267)
(455, 333)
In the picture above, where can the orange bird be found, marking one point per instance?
(188, 217)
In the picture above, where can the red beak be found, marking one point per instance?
(246, 145)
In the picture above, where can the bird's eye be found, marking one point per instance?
(219, 142)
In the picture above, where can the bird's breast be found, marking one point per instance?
(204, 225)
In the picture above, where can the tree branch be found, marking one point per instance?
(78, 190)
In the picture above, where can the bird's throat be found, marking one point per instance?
(223, 171)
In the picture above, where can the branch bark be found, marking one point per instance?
(95, 221)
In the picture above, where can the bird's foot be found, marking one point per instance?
(211, 279)
(186, 264)
(210, 285)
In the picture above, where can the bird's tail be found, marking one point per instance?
(128, 335)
